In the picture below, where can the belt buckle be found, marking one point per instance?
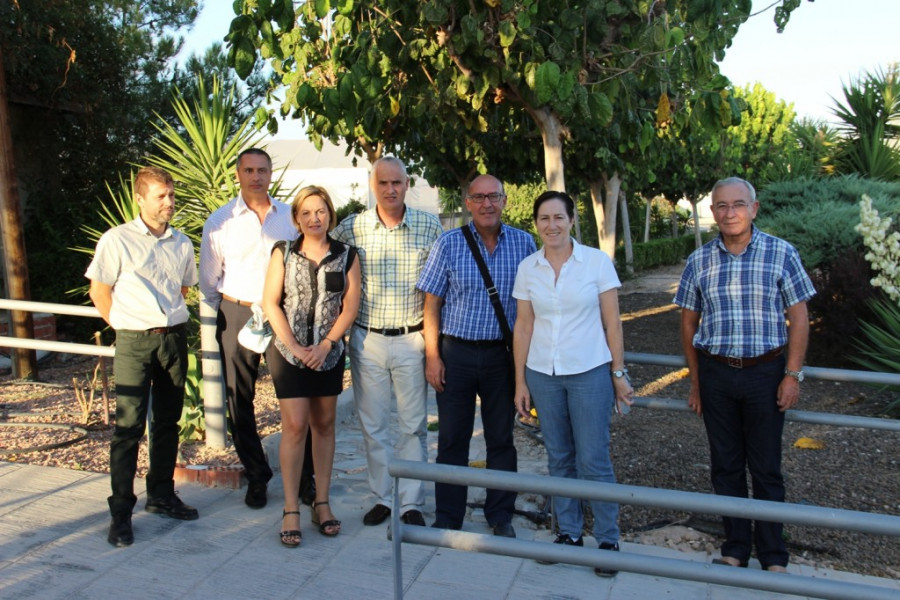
(735, 362)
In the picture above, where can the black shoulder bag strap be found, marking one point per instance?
(489, 284)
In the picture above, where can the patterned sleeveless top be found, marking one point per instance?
(313, 297)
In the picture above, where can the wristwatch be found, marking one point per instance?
(798, 375)
(620, 373)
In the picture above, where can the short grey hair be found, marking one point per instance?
(734, 181)
(391, 160)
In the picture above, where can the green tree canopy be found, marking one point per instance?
(536, 76)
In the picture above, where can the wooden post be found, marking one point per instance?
(15, 261)
(99, 342)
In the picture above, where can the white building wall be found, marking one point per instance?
(332, 169)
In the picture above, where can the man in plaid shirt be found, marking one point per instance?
(744, 330)
(465, 350)
(387, 350)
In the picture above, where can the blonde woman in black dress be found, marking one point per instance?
(311, 300)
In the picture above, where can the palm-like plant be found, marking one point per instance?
(202, 154)
(871, 123)
(879, 350)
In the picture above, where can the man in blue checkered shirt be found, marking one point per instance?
(465, 353)
(745, 359)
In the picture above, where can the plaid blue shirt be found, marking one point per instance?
(452, 274)
(390, 260)
(742, 299)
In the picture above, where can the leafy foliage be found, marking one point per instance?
(878, 347)
(192, 425)
(818, 217)
(656, 253)
(85, 78)
(462, 87)
(870, 114)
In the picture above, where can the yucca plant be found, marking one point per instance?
(870, 114)
(880, 348)
(201, 155)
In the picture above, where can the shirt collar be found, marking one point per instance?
(755, 234)
(241, 206)
(577, 253)
(372, 214)
(138, 223)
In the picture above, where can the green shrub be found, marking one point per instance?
(808, 193)
(656, 253)
(819, 216)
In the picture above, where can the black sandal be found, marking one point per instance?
(290, 533)
(324, 526)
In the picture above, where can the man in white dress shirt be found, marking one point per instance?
(234, 254)
(139, 276)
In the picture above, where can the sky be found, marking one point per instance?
(827, 43)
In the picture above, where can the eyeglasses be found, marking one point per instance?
(738, 206)
(493, 198)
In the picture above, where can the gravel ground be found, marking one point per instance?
(856, 469)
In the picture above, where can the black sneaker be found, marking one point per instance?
(172, 507)
(565, 539)
(607, 572)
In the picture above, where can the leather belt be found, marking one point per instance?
(393, 331)
(475, 343)
(156, 330)
(236, 301)
(737, 362)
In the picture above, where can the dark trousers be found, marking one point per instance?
(485, 372)
(146, 362)
(744, 428)
(241, 367)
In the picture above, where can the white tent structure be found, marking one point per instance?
(332, 169)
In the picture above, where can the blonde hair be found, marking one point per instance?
(308, 192)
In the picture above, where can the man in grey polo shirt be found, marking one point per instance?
(139, 276)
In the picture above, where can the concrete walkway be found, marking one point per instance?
(53, 525)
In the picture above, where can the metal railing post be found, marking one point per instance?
(213, 380)
(396, 536)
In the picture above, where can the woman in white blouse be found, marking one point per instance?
(570, 361)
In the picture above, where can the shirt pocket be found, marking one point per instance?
(334, 282)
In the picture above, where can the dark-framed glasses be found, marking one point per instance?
(493, 198)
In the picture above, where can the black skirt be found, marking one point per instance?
(295, 382)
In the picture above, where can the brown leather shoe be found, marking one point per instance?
(413, 517)
(377, 515)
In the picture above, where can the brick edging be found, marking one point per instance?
(231, 477)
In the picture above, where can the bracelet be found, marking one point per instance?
(333, 343)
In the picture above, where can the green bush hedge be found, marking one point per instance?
(818, 216)
(656, 253)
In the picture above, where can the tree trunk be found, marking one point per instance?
(552, 132)
(647, 214)
(605, 196)
(626, 234)
(698, 240)
(15, 259)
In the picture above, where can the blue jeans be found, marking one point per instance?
(744, 427)
(574, 412)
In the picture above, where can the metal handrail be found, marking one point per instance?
(845, 375)
(797, 416)
(628, 494)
